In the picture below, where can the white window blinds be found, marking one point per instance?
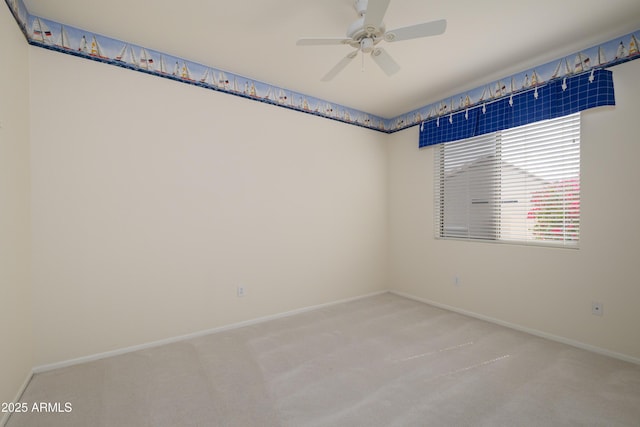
(518, 185)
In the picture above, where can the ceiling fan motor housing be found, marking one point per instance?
(357, 32)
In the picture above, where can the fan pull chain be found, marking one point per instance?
(362, 70)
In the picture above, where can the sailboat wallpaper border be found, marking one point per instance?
(74, 41)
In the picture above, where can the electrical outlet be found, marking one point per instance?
(596, 308)
(242, 291)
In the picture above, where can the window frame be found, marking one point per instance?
(495, 229)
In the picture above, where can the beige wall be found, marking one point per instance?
(543, 289)
(145, 202)
(152, 200)
(15, 294)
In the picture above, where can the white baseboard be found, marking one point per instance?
(91, 358)
(520, 328)
(7, 415)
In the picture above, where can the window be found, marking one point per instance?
(520, 185)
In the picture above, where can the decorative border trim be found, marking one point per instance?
(605, 55)
(58, 37)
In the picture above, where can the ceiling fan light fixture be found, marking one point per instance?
(366, 45)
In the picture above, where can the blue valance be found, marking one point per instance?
(554, 99)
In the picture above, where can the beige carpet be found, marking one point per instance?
(379, 361)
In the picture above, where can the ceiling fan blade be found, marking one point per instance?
(340, 66)
(375, 13)
(425, 29)
(385, 61)
(322, 41)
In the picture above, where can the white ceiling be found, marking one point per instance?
(485, 40)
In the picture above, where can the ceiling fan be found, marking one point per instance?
(369, 30)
